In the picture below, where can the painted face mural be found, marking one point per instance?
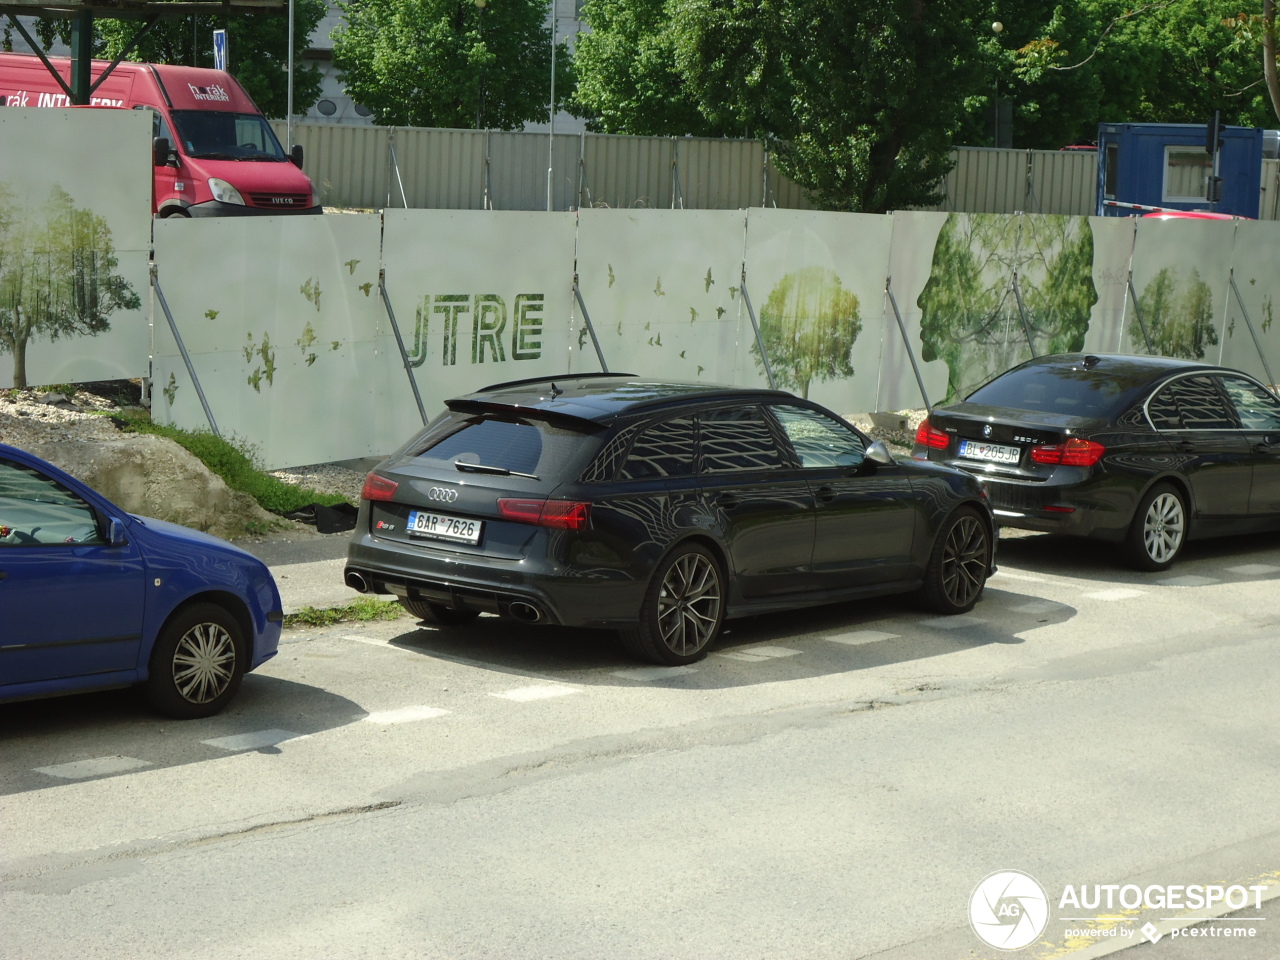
(983, 264)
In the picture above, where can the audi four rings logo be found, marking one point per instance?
(443, 493)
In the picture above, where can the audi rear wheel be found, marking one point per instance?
(682, 611)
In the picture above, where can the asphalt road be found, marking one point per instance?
(832, 783)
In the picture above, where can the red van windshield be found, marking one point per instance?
(218, 135)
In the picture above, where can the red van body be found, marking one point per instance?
(225, 159)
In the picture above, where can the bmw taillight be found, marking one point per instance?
(560, 514)
(930, 436)
(378, 488)
(1076, 452)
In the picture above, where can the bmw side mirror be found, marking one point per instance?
(296, 155)
(115, 532)
(879, 453)
(163, 151)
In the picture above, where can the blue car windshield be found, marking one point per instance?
(1068, 389)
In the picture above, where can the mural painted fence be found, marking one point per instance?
(292, 335)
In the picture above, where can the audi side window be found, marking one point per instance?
(663, 450)
(735, 439)
(36, 510)
(1201, 406)
(818, 440)
(1257, 408)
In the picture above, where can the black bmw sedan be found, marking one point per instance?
(658, 509)
(1148, 452)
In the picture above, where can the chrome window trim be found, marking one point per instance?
(1206, 372)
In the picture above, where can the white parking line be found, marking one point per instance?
(759, 654)
(536, 692)
(97, 767)
(405, 715)
(649, 674)
(1189, 580)
(376, 643)
(1119, 593)
(252, 741)
(858, 637)
(1253, 569)
(1036, 606)
(953, 623)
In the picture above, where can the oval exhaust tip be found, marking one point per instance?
(525, 611)
(356, 581)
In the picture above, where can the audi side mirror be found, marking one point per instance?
(879, 453)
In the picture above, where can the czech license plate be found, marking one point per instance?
(991, 452)
(442, 527)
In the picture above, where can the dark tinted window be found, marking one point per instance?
(1257, 408)
(818, 440)
(1198, 406)
(662, 450)
(38, 511)
(606, 464)
(524, 446)
(737, 438)
(1103, 391)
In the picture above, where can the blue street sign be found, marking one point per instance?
(219, 49)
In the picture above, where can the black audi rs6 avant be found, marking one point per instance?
(658, 509)
(1145, 451)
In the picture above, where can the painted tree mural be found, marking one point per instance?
(57, 275)
(809, 324)
(970, 317)
(1178, 313)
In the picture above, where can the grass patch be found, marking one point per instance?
(360, 610)
(234, 466)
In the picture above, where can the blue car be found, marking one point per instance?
(93, 598)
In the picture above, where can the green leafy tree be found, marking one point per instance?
(863, 99)
(1178, 314)
(451, 63)
(258, 45)
(628, 81)
(970, 317)
(57, 275)
(809, 324)
(1071, 66)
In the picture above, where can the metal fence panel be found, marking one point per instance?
(1269, 208)
(627, 171)
(442, 169)
(348, 163)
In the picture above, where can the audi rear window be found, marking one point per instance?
(1071, 390)
(521, 445)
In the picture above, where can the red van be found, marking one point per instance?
(215, 154)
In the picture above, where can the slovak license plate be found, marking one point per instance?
(443, 527)
(991, 452)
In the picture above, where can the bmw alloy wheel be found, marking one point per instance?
(1163, 528)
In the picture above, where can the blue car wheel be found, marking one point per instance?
(198, 662)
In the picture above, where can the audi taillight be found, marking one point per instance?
(378, 488)
(930, 436)
(560, 514)
(1076, 452)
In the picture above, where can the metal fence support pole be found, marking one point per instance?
(906, 342)
(677, 194)
(395, 168)
(404, 356)
(1271, 380)
(182, 349)
(746, 298)
(1022, 312)
(488, 192)
(1137, 312)
(595, 342)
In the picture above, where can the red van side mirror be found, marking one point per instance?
(163, 151)
(296, 155)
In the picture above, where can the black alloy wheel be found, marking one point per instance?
(438, 614)
(959, 563)
(197, 662)
(1159, 528)
(682, 611)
